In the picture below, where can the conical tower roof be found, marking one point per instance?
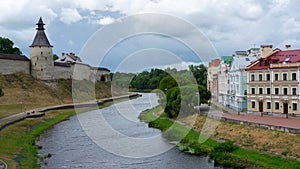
(40, 38)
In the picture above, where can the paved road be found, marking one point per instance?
(290, 122)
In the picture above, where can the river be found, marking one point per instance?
(72, 144)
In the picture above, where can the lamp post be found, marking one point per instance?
(198, 97)
(238, 106)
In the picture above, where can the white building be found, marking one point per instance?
(238, 82)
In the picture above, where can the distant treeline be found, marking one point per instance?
(183, 90)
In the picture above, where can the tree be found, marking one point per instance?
(200, 73)
(55, 56)
(7, 46)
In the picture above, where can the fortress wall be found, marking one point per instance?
(13, 66)
(97, 74)
(81, 71)
(62, 72)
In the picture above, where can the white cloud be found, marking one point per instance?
(69, 15)
(106, 20)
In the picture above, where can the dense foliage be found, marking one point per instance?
(181, 90)
(7, 46)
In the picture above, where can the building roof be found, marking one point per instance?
(227, 59)
(69, 58)
(241, 62)
(40, 38)
(277, 57)
(13, 57)
(62, 64)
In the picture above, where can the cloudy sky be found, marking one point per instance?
(226, 25)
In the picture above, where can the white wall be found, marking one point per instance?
(81, 71)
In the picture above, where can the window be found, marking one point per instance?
(268, 90)
(253, 105)
(277, 106)
(253, 90)
(294, 91)
(276, 90)
(260, 77)
(285, 91)
(41, 69)
(41, 53)
(294, 106)
(294, 76)
(284, 76)
(45, 58)
(268, 77)
(268, 105)
(262, 63)
(276, 76)
(37, 58)
(252, 77)
(260, 90)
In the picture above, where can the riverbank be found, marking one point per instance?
(228, 155)
(18, 148)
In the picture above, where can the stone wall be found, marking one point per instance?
(13, 66)
(62, 72)
(81, 71)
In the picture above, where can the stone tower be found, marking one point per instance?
(41, 56)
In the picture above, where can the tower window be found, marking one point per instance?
(41, 69)
(37, 58)
(41, 53)
(45, 58)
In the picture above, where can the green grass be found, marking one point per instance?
(239, 158)
(18, 148)
(30, 149)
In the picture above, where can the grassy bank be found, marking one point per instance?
(18, 148)
(225, 154)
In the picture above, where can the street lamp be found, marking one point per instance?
(198, 97)
(238, 106)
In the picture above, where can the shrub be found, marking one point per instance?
(226, 147)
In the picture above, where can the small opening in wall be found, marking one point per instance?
(45, 58)
(41, 69)
(41, 53)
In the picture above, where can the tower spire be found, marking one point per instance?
(40, 24)
(40, 38)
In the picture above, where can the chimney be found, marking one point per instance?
(266, 50)
(287, 47)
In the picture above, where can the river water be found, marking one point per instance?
(82, 143)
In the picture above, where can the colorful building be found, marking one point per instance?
(223, 79)
(212, 78)
(237, 79)
(273, 81)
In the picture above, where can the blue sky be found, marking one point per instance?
(228, 26)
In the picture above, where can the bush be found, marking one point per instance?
(226, 147)
(1, 92)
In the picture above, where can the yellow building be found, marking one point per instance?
(273, 82)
